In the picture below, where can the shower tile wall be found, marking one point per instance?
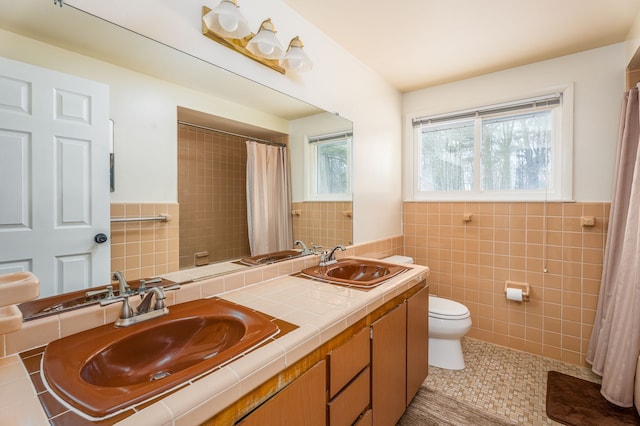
(324, 224)
(144, 249)
(211, 194)
(470, 262)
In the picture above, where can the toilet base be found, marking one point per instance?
(446, 353)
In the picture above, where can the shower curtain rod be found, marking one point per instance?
(233, 134)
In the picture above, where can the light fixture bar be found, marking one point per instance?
(239, 45)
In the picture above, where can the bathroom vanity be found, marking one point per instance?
(351, 355)
(366, 375)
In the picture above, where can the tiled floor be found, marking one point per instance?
(502, 381)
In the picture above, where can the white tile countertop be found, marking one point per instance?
(320, 310)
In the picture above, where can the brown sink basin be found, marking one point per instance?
(263, 259)
(355, 272)
(105, 370)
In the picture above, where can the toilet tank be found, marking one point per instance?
(398, 259)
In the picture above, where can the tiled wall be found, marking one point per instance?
(144, 249)
(470, 262)
(324, 224)
(212, 195)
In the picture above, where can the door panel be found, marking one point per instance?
(54, 157)
(15, 163)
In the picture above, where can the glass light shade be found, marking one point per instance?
(265, 44)
(227, 21)
(296, 59)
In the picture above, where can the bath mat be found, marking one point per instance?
(578, 402)
(431, 408)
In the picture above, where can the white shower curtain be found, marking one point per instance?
(268, 198)
(615, 340)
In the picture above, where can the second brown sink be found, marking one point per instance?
(264, 259)
(355, 272)
(107, 369)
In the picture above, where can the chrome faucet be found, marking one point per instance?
(145, 310)
(327, 257)
(124, 287)
(305, 250)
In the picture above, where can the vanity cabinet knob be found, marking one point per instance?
(100, 238)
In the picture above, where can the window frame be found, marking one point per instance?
(311, 173)
(560, 184)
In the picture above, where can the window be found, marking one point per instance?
(509, 151)
(330, 167)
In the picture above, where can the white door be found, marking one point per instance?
(54, 177)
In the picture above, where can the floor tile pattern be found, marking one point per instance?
(503, 381)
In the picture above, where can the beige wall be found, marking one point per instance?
(470, 263)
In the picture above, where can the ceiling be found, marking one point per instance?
(415, 44)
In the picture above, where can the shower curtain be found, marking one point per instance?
(268, 198)
(615, 340)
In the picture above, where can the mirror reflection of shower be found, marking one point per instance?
(212, 164)
(212, 186)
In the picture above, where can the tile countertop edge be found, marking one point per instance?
(220, 388)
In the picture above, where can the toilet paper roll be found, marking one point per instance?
(514, 294)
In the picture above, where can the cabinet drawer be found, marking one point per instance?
(347, 406)
(347, 360)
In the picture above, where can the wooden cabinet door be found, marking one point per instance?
(303, 402)
(417, 341)
(388, 367)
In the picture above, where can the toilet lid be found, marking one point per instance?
(446, 308)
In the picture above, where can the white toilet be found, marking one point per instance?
(448, 322)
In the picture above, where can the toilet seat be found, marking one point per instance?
(447, 309)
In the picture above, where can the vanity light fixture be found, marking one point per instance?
(223, 24)
(226, 20)
(296, 59)
(265, 44)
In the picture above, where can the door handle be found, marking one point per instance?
(100, 238)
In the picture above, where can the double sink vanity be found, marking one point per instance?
(335, 344)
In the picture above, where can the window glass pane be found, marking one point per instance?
(332, 167)
(516, 152)
(446, 157)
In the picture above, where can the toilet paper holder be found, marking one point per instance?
(518, 286)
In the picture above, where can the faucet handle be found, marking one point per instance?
(105, 293)
(142, 288)
(125, 311)
(160, 299)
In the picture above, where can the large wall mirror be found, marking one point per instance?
(188, 94)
